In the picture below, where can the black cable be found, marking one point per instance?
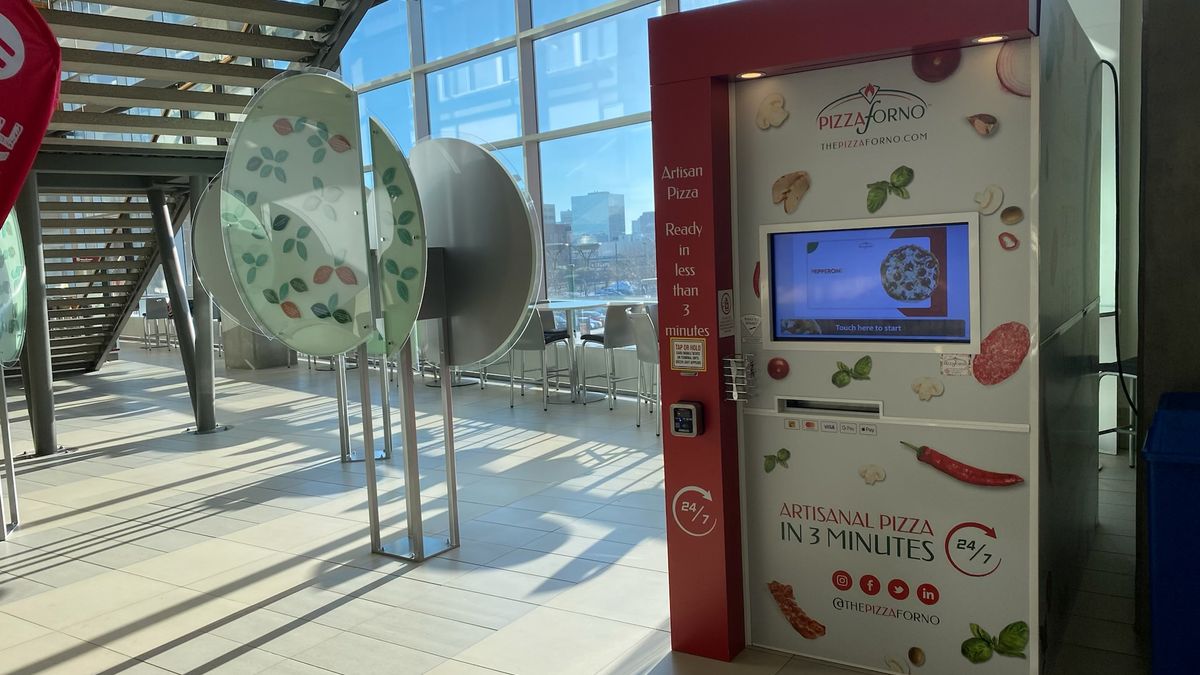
(1117, 223)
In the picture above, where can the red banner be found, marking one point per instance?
(30, 61)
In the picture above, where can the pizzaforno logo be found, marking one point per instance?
(871, 106)
(12, 49)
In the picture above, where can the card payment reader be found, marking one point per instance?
(687, 419)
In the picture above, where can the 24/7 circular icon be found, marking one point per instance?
(842, 580)
(898, 589)
(869, 584)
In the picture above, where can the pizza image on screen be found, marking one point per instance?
(909, 273)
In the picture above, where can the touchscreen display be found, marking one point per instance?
(902, 284)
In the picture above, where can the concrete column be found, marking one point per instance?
(206, 411)
(173, 273)
(35, 362)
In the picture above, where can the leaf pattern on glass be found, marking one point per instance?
(280, 222)
(303, 232)
(254, 163)
(409, 273)
(405, 217)
(298, 284)
(318, 156)
(271, 296)
(320, 311)
(289, 245)
(389, 175)
(402, 290)
(251, 275)
(404, 236)
(394, 192)
(283, 291)
(391, 266)
(333, 301)
(342, 316)
(302, 250)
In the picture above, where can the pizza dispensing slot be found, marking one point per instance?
(864, 409)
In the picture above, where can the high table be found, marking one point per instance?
(570, 307)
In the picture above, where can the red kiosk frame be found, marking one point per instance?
(694, 58)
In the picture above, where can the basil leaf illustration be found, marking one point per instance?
(902, 176)
(812, 246)
(980, 633)
(320, 311)
(875, 199)
(863, 366)
(769, 463)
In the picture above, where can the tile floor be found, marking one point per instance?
(148, 550)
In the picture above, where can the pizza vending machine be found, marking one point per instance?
(899, 233)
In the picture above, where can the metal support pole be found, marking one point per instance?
(206, 389)
(10, 470)
(343, 408)
(364, 382)
(412, 473)
(386, 401)
(175, 290)
(39, 394)
(448, 432)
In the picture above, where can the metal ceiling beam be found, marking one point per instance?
(119, 30)
(127, 165)
(94, 207)
(163, 68)
(260, 12)
(352, 15)
(54, 144)
(123, 123)
(119, 96)
(70, 184)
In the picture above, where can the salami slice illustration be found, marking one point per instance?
(808, 627)
(1001, 353)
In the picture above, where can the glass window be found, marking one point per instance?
(476, 100)
(545, 11)
(392, 105)
(453, 26)
(685, 5)
(595, 72)
(598, 214)
(513, 159)
(379, 46)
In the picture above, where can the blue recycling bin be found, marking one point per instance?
(1172, 455)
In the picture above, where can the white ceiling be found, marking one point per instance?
(1102, 21)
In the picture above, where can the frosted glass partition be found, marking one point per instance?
(474, 209)
(13, 299)
(401, 231)
(208, 255)
(294, 214)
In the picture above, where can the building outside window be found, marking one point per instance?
(558, 90)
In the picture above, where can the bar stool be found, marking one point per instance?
(646, 341)
(1128, 367)
(535, 338)
(618, 333)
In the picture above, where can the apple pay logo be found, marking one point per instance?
(12, 49)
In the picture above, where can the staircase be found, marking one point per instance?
(151, 92)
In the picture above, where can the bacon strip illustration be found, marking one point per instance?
(808, 627)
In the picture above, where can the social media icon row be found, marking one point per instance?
(870, 584)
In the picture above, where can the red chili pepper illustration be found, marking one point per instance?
(964, 472)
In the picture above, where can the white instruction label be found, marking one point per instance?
(956, 364)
